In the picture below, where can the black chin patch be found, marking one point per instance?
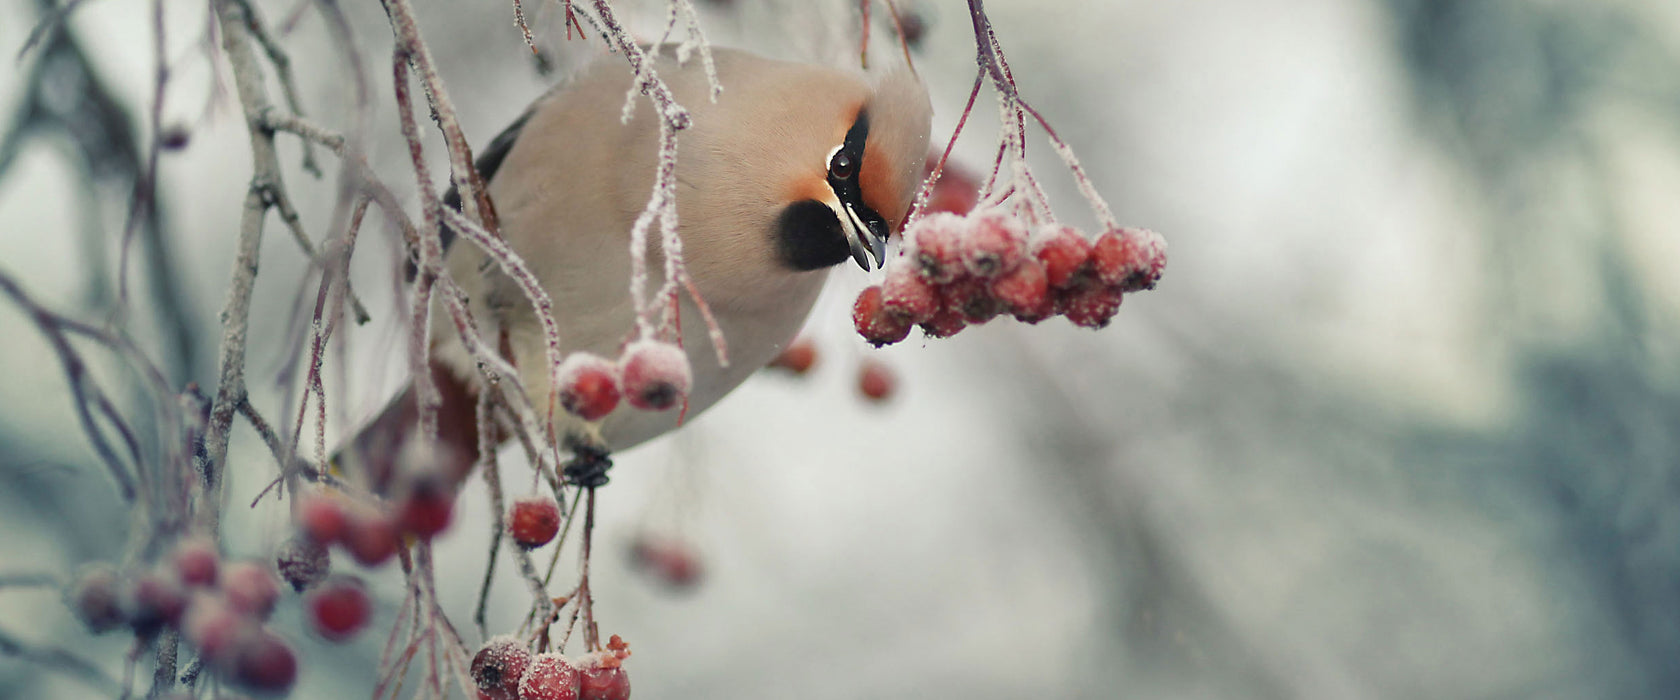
(809, 237)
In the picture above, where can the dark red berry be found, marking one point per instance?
(996, 243)
(798, 357)
(670, 562)
(371, 538)
(874, 322)
(908, 295)
(875, 381)
(339, 608)
(1091, 307)
(1145, 253)
(425, 510)
(1065, 254)
(971, 297)
(155, 599)
(549, 677)
(95, 598)
(196, 562)
(250, 588)
(1025, 289)
(498, 666)
(936, 246)
(604, 680)
(533, 521)
(302, 562)
(656, 375)
(588, 386)
(322, 518)
(946, 323)
(264, 663)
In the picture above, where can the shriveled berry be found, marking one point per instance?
(588, 386)
(798, 357)
(196, 562)
(214, 627)
(1064, 253)
(971, 297)
(1026, 288)
(946, 323)
(339, 608)
(909, 295)
(533, 521)
(498, 666)
(322, 518)
(876, 382)
(656, 375)
(601, 681)
(937, 244)
(996, 243)
(250, 588)
(302, 562)
(427, 507)
(155, 599)
(549, 677)
(264, 663)
(874, 323)
(1092, 307)
(668, 561)
(371, 538)
(95, 598)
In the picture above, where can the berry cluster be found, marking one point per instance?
(650, 375)
(504, 669)
(958, 271)
(219, 607)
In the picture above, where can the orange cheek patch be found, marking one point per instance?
(881, 186)
(814, 187)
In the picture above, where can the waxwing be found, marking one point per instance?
(794, 169)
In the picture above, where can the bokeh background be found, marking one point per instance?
(1401, 421)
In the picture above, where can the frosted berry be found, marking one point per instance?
(95, 598)
(197, 562)
(371, 538)
(874, 323)
(322, 518)
(798, 358)
(908, 295)
(498, 666)
(339, 608)
(876, 382)
(155, 599)
(668, 561)
(264, 663)
(1092, 307)
(946, 323)
(533, 521)
(604, 679)
(1145, 253)
(425, 510)
(1065, 254)
(549, 677)
(250, 589)
(971, 297)
(588, 386)
(302, 562)
(937, 246)
(656, 375)
(213, 626)
(1025, 289)
(996, 243)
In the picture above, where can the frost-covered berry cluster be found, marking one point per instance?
(957, 271)
(505, 669)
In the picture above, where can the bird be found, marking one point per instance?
(793, 170)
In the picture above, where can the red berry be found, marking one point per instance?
(656, 375)
(533, 521)
(876, 382)
(946, 323)
(302, 562)
(956, 191)
(996, 243)
(321, 517)
(498, 666)
(1026, 289)
(549, 677)
(1145, 253)
(250, 589)
(264, 663)
(339, 608)
(371, 539)
(428, 506)
(798, 357)
(1065, 254)
(874, 323)
(213, 626)
(95, 599)
(155, 599)
(196, 561)
(588, 386)
(937, 243)
(673, 563)
(1091, 307)
(971, 297)
(908, 295)
(604, 679)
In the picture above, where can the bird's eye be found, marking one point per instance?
(841, 166)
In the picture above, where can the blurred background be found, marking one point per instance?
(1401, 421)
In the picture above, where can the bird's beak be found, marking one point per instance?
(865, 240)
